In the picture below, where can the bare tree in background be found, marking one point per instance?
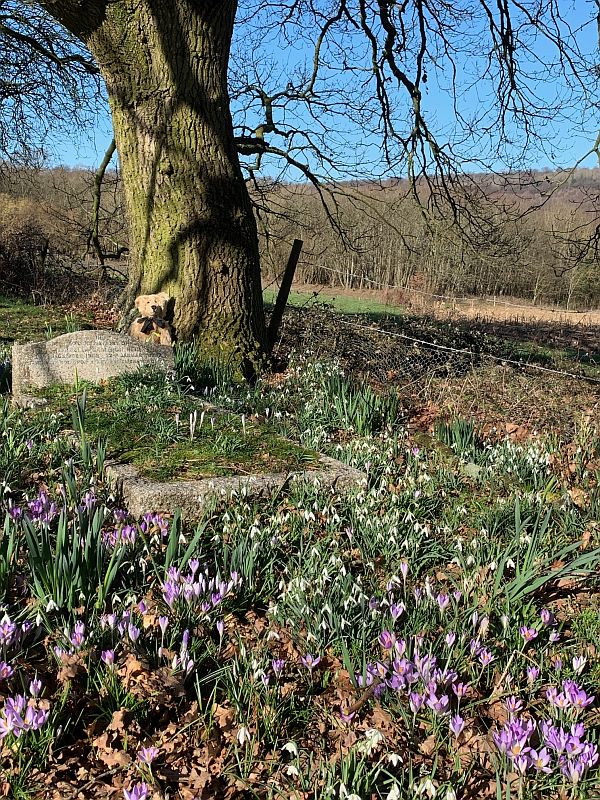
(507, 72)
(49, 84)
(357, 101)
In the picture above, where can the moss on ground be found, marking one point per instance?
(171, 436)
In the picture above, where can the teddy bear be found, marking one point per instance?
(151, 326)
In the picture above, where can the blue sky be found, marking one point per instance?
(567, 136)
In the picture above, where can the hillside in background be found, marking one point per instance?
(525, 235)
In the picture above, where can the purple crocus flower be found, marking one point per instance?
(111, 620)
(532, 674)
(572, 769)
(396, 682)
(546, 616)
(440, 705)
(528, 634)
(457, 725)
(378, 670)
(386, 640)
(137, 792)
(7, 632)
(400, 647)
(460, 689)
(171, 591)
(443, 602)
(163, 623)
(278, 665)
(6, 671)
(521, 763)
(578, 698)
(582, 700)
(554, 737)
(148, 754)
(415, 701)
(42, 509)
(540, 760)
(579, 663)
(133, 632)
(310, 661)
(128, 534)
(77, 638)
(89, 501)
(513, 705)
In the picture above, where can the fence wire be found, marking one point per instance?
(413, 350)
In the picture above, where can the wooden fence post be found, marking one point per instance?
(283, 294)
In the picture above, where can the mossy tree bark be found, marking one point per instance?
(192, 230)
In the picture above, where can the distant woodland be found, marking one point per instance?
(528, 236)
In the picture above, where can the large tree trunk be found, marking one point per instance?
(192, 231)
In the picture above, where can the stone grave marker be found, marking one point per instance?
(90, 355)
(97, 355)
(191, 497)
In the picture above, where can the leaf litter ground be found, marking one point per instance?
(432, 634)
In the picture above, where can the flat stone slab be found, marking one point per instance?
(141, 495)
(90, 355)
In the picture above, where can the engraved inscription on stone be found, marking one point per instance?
(90, 355)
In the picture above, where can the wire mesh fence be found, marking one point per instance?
(409, 350)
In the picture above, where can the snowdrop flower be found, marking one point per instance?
(373, 739)
(243, 736)
(426, 787)
(291, 748)
(394, 793)
(345, 795)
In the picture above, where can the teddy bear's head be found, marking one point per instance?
(152, 305)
